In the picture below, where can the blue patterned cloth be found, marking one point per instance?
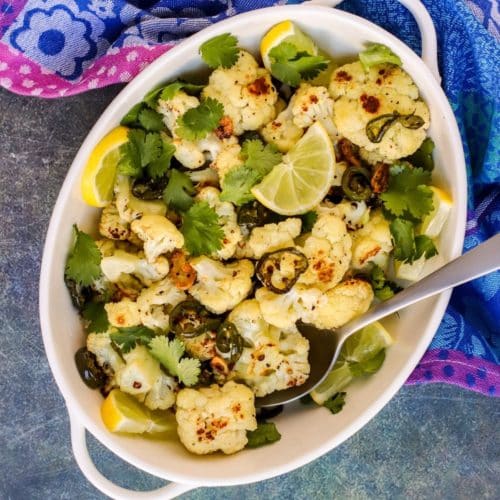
(52, 48)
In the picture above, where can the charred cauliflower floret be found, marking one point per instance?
(111, 225)
(121, 263)
(313, 104)
(340, 304)
(384, 89)
(245, 91)
(220, 287)
(282, 310)
(282, 131)
(107, 357)
(159, 235)
(227, 159)
(228, 219)
(123, 314)
(156, 302)
(129, 207)
(162, 394)
(271, 237)
(276, 360)
(354, 213)
(215, 418)
(372, 243)
(328, 252)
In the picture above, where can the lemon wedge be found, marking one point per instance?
(121, 412)
(303, 178)
(98, 176)
(358, 348)
(433, 222)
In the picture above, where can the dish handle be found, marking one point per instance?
(89, 470)
(425, 25)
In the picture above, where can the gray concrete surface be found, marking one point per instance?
(433, 442)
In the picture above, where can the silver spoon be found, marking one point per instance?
(325, 345)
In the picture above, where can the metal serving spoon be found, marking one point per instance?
(325, 345)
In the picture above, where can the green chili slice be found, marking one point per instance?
(190, 319)
(356, 183)
(281, 269)
(377, 128)
(90, 372)
(229, 342)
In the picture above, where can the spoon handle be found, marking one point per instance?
(481, 260)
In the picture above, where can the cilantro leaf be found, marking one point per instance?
(83, 264)
(169, 353)
(368, 367)
(266, 433)
(130, 154)
(376, 53)
(179, 191)
(259, 156)
(128, 338)
(201, 229)
(424, 246)
(336, 402)
(291, 66)
(237, 185)
(150, 120)
(221, 50)
(171, 89)
(159, 167)
(407, 194)
(422, 157)
(382, 288)
(308, 220)
(404, 239)
(151, 148)
(197, 122)
(95, 316)
(132, 117)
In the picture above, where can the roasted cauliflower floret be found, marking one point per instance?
(220, 287)
(228, 219)
(156, 302)
(129, 207)
(120, 262)
(271, 237)
(340, 304)
(215, 418)
(276, 360)
(282, 310)
(227, 159)
(162, 394)
(354, 213)
(172, 109)
(372, 244)
(107, 357)
(362, 96)
(202, 346)
(313, 104)
(328, 252)
(282, 131)
(158, 234)
(245, 91)
(111, 225)
(123, 314)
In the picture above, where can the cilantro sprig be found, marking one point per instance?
(266, 433)
(179, 191)
(169, 354)
(201, 229)
(197, 122)
(221, 50)
(83, 264)
(376, 53)
(407, 246)
(127, 338)
(259, 159)
(95, 317)
(382, 287)
(290, 66)
(335, 403)
(408, 194)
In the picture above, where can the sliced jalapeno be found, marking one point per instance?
(90, 372)
(281, 269)
(190, 319)
(229, 342)
(376, 128)
(356, 183)
(255, 214)
(149, 189)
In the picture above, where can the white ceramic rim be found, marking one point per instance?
(121, 103)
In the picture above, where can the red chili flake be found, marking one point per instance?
(313, 98)
(381, 72)
(379, 81)
(136, 385)
(261, 357)
(259, 86)
(225, 128)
